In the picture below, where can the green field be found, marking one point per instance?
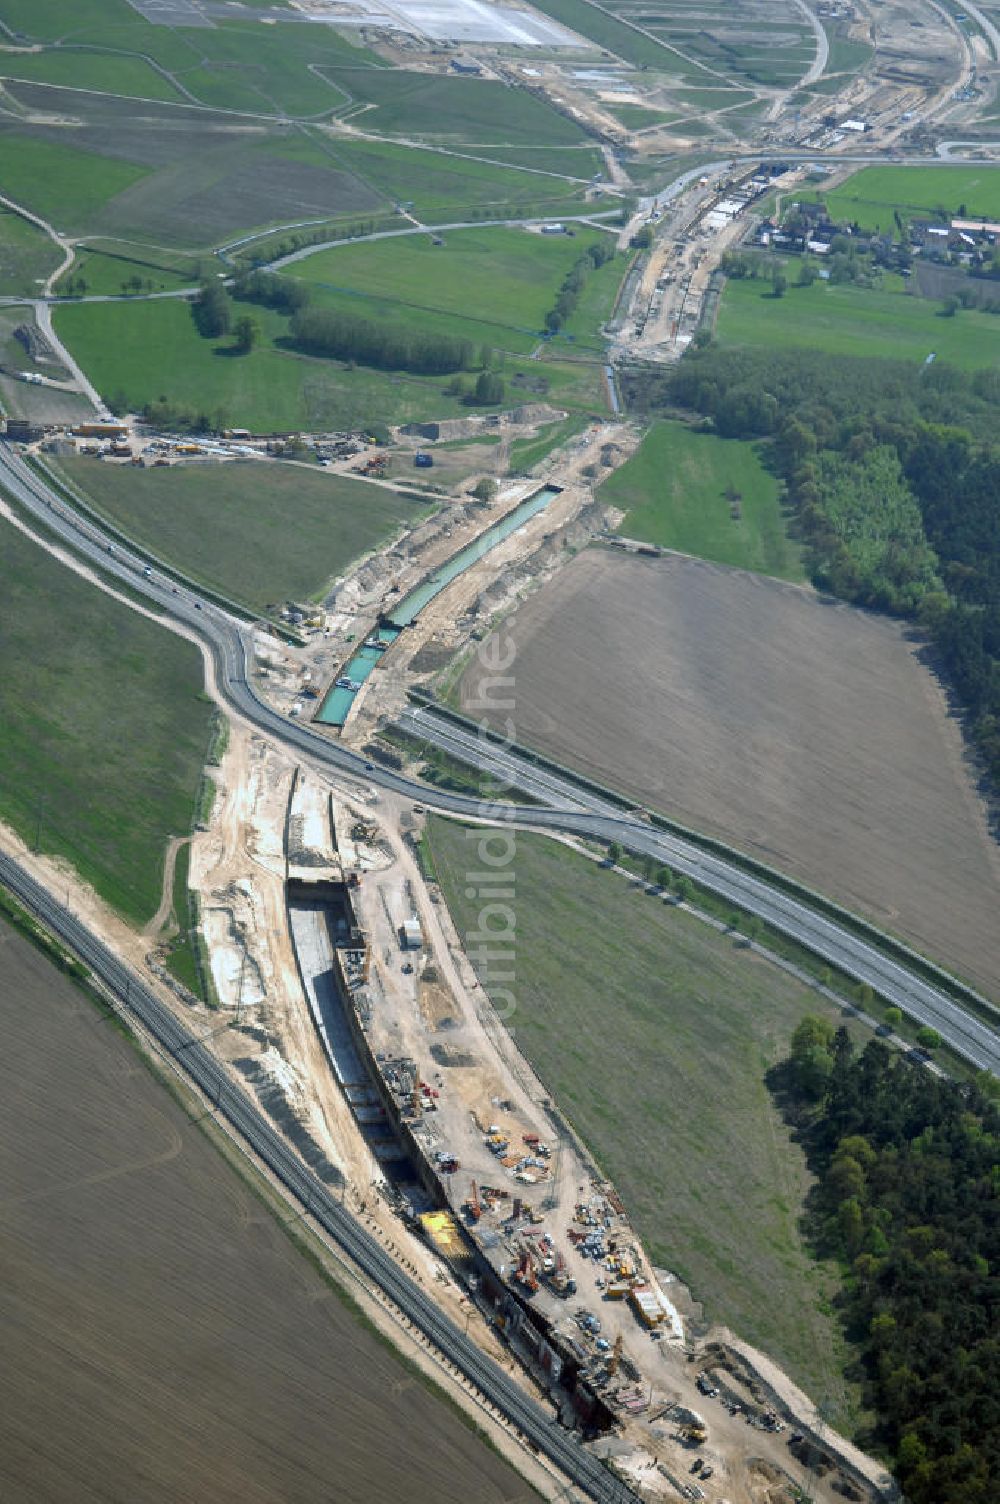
(90, 70)
(188, 177)
(598, 24)
(105, 727)
(138, 352)
(258, 533)
(846, 55)
(509, 276)
(192, 179)
(508, 320)
(653, 1033)
(491, 329)
(113, 271)
(849, 320)
(637, 117)
(273, 69)
(712, 99)
(237, 64)
(582, 161)
(872, 196)
(64, 185)
(444, 185)
(471, 110)
(674, 491)
(74, 20)
(142, 351)
(27, 255)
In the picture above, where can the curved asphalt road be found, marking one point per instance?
(569, 807)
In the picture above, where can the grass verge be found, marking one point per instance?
(445, 772)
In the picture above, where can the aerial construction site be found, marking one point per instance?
(372, 544)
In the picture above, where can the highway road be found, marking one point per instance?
(863, 961)
(565, 806)
(135, 999)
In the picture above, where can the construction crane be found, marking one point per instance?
(616, 1355)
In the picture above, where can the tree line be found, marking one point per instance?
(347, 336)
(893, 474)
(284, 294)
(340, 334)
(907, 1200)
(574, 282)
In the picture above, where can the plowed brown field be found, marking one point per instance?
(805, 733)
(163, 1341)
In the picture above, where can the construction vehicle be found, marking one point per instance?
(616, 1355)
(525, 1272)
(473, 1206)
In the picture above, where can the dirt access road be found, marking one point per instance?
(807, 733)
